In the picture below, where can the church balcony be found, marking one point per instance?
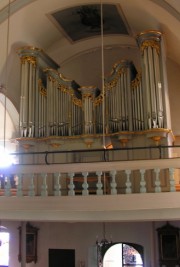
(143, 189)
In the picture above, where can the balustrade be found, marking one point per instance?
(105, 178)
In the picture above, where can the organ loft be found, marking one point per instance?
(131, 110)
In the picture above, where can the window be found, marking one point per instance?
(4, 247)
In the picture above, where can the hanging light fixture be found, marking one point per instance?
(102, 246)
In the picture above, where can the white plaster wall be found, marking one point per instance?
(82, 238)
(86, 68)
(173, 70)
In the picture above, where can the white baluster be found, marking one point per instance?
(172, 180)
(7, 187)
(44, 191)
(142, 182)
(113, 183)
(19, 192)
(31, 192)
(128, 182)
(85, 185)
(71, 186)
(157, 181)
(57, 186)
(99, 184)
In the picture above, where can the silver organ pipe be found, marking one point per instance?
(64, 108)
(118, 89)
(150, 45)
(76, 121)
(21, 121)
(88, 95)
(27, 124)
(98, 113)
(49, 106)
(25, 100)
(42, 111)
(137, 104)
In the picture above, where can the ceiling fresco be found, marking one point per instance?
(85, 21)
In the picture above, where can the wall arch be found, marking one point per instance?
(4, 246)
(122, 254)
(9, 119)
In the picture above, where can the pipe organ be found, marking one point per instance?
(130, 102)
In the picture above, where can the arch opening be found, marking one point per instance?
(123, 255)
(4, 247)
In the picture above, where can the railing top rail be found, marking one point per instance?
(104, 152)
(158, 147)
(93, 166)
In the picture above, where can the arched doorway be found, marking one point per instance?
(122, 255)
(4, 247)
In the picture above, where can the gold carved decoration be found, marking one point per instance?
(65, 89)
(51, 79)
(29, 59)
(98, 100)
(64, 78)
(87, 95)
(137, 81)
(76, 101)
(157, 139)
(110, 85)
(150, 43)
(42, 90)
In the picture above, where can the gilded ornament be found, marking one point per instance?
(51, 79)
(87, 95)
(150, 43)
(77, 101)
(29, 59)
(42, 89)
(137, 81)
(64, 78)
(110, 85)
(98, 100)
